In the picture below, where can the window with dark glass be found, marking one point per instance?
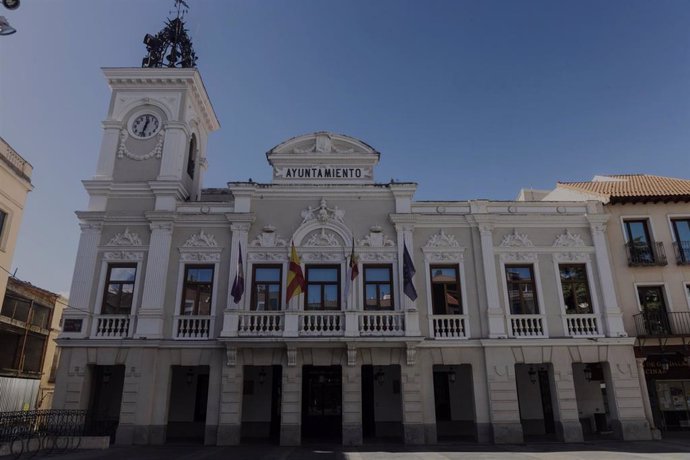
(191, 157)
(266, 288)
(119, 290)
(197, 289)
(639, 241)
(576, 296)
(445, 290)
(522, 291)
(323, 287)
(681, 230)
(16, 308)
(378, 287)
(3, 218)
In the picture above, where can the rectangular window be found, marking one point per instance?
(119, 290)
(16, 308)
(639, 241)
(3, 219)
(323, 287)
(576, 296)
(445, 290)
(522, 291)
(197, 290)
(653, 305)
(681, 230)
(266, 287)
(378, 287)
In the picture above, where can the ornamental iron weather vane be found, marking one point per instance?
(173, 41)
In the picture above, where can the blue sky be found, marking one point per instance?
(471, 99)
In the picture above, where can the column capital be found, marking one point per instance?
(161, 226)
(598, 222)
(240, 227)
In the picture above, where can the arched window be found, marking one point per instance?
(191, 158)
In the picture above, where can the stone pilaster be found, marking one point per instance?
(175, 146)
(625, 397)
(240, 233)
(496, 315)
(150, 314)
(213, 403)
(108, 152)
(84, 276)
(656, 433)
(413, 410)
(612, 316)
(566, 413)
(409, 306)
(503, 397)
(230, 413)
(291, 410)
(352, 405)
(73, 382)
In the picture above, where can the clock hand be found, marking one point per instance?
(143, 131)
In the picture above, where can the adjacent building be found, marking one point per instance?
(15, 184)
(649, 238)
(29, 325)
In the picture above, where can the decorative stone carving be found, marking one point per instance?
(156, 152)
(323, 144)
(568, 240)
(516, 240)
(377, 257)
(322, 257)
(291, 357)
(376, 238)
(268, 238)
(351, 356)
(129, 256)
(444, 256)
(231, 357)
(201, 240)
(323, 213)
(411, 355)
(200, 256)
(161, 226)
(519, 257)
(125, 239)
(323, 239)
(267, 257)
(442, 240)
(581, 257)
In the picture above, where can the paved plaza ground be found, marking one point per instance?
(678, 448)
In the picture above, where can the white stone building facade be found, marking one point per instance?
(516, 332)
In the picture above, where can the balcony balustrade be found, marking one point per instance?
(112, 326)
(381, 323)
(662, 324)
(583, 325)
(261, 323)
(321, 323)
(192, 327)
(528, 326)
(682, 250)
(449, 326)
(645, 254)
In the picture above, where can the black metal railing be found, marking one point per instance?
(53, 422)
(682, 250)
(662, 324)
(642, 254)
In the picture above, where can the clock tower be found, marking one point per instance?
(152, 158)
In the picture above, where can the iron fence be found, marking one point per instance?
(662, 324)
(641, 254)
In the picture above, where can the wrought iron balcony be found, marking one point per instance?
(662, 324)
(682, 250)
(645, 254)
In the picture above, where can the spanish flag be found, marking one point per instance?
(295, 279)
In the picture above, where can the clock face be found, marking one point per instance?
(145, 126)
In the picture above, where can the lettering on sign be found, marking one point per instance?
(323, 172)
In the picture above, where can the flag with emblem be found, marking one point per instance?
(295, 279)
(408, 273)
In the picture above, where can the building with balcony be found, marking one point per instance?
(493, 321)
(15, 184)
(29, 324)
(649, 244)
